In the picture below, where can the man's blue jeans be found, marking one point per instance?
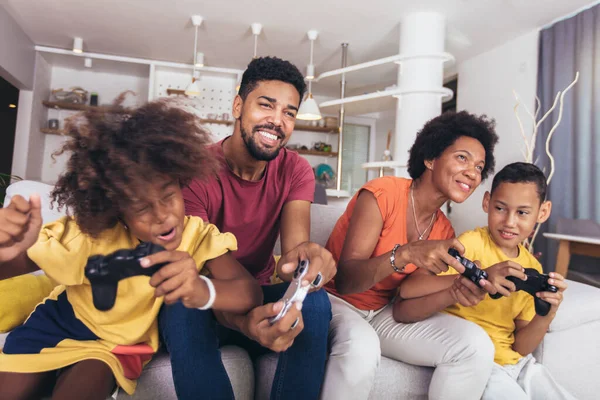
(193, 337)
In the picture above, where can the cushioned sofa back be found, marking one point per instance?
(26, 189)
(322, 221)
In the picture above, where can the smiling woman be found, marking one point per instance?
(394, 227)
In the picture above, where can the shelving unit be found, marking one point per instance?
(56, 105)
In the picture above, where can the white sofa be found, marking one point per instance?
(570, 349)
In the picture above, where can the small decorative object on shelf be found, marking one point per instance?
(94, 99)
(53, 123)
(75, 95)
(324, 175)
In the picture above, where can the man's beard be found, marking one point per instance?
(253, 148)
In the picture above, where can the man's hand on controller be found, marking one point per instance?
(321, 267)
(279, 336)
(20, 224)
(554, 299)
(497, 274)
(178, 280)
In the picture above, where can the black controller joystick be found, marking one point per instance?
(535, 283)
(472, 271)
(105, 272)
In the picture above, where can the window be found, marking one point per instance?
(355, 152)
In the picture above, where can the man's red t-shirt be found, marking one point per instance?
(251, 210)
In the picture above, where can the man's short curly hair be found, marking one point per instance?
(271, 69)
(441, 132)
(115, 154)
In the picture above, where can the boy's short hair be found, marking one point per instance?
(271, 69)
(521, 172)
(441, 132)
(115, 154)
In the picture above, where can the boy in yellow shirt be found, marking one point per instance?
(516, 203)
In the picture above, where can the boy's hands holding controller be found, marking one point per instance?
(178, 280)
(497, 274)
(554, 299)
(20, 225)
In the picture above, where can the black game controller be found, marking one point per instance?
(105, 272)
(472, 271)
(535, 283)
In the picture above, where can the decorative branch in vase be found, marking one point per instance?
(531, 142)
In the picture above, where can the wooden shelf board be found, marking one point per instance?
(53, 131)
(322, 129)
(315, 153)
(81, 107)
(216, 121)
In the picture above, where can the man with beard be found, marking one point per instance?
(262, 190)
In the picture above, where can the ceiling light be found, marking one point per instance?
(199, 59)
(256, 30)
(78, 45)
(193, 88)
(12, 106)
(309, 110)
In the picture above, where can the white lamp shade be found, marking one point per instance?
(309, 110)
(193, 89)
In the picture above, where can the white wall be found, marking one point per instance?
(485, 85)
(17, 54)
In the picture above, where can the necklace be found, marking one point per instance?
(421, 235)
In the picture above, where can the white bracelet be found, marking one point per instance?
(212, 294)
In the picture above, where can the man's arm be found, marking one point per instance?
(296, 245)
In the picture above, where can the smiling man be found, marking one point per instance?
(262, 190)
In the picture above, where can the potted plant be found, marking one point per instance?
(5, 181)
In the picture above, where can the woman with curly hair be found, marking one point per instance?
(394, 227)
(121, 187)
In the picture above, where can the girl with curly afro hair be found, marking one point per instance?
(121, 187)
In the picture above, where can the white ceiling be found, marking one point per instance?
(161, 29)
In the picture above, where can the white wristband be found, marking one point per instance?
(211, 293)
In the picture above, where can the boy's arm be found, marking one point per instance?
(423, 282)
(529, 335)
(460, 290)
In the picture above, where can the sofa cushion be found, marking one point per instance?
(156, 381)
(26, 189)
(583, 304)
(19, 296)
(393, 380)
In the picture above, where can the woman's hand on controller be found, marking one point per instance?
(178, 280)
(554, 299)
(465, 292)
(433, 255)
(20, 224)
(497, 274)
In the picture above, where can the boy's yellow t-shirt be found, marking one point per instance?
(496, 317)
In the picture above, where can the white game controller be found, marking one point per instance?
(295, 292)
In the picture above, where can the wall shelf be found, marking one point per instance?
(322, 129)
(315, 153)
(216, 121)
(49, 131)
(58, 105)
